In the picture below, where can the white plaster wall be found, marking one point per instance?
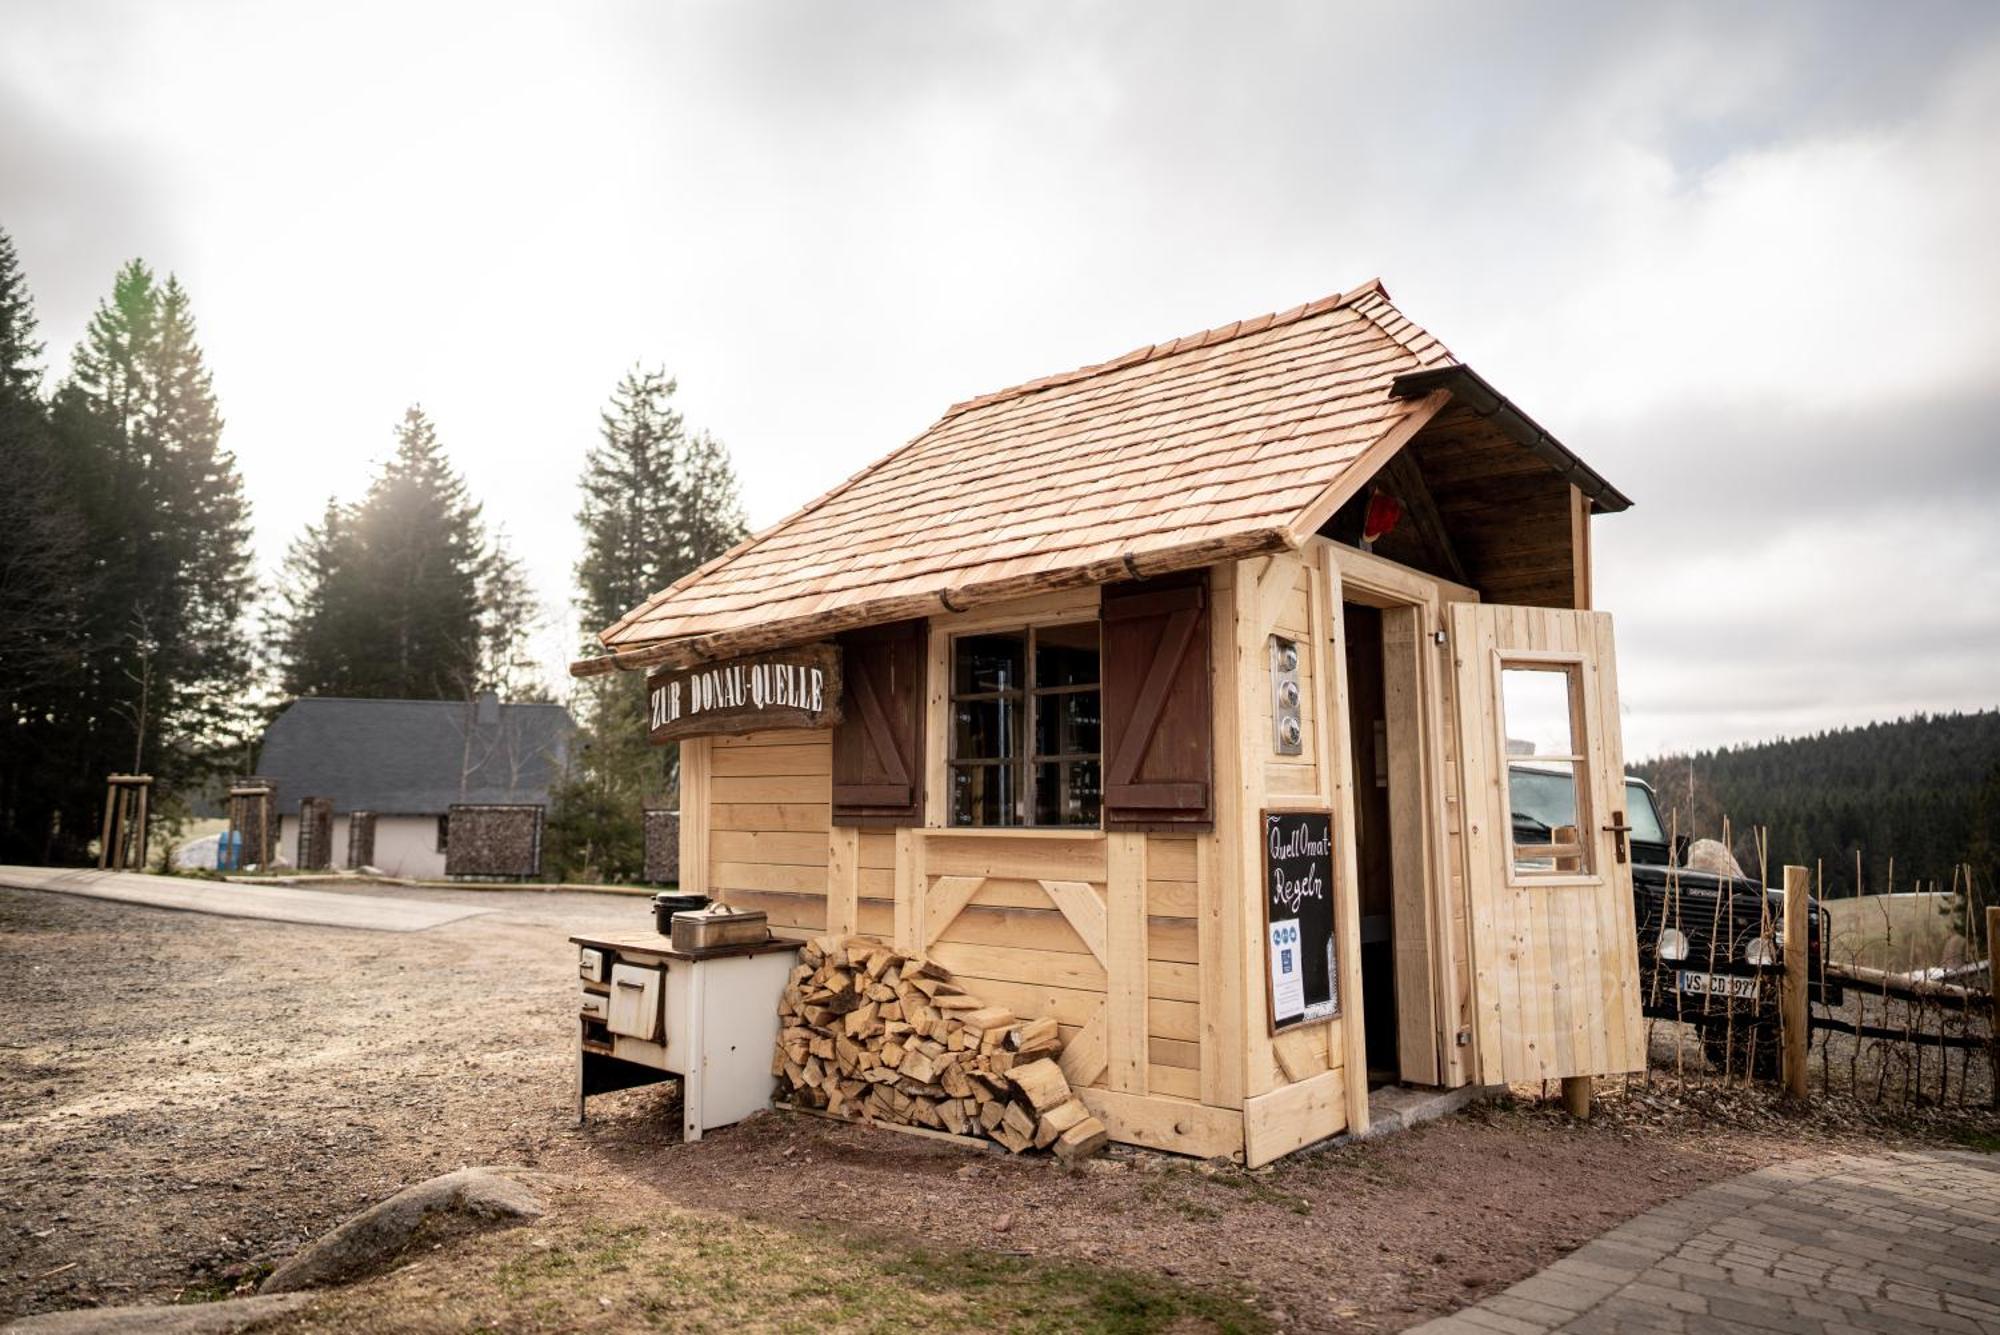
(288, 839)
(407, 846)
(404, 845)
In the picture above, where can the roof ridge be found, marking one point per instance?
(1256, 324)
(1381, 294)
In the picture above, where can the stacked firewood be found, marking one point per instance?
(871, 1033)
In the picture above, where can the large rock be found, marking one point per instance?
(1713, 857)
(220, 1318)
(372, 1241)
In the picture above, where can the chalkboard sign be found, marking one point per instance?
(1298, 917)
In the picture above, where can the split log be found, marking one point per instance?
(870, 1032)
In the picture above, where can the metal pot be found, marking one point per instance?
(665, 906)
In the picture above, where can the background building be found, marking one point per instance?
(407, 762)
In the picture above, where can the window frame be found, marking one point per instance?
(1576, 670)
(1030, 695)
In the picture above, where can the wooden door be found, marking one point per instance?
(1555, 959)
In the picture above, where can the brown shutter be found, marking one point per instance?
(1158, 738)
(878, 745)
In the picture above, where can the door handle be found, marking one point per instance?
(1618, 829)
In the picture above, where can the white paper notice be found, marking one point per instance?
(1288, 975)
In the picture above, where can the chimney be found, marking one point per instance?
(486, 710)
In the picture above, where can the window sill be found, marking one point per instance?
(1016, 831)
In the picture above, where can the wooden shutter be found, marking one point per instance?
(878, 745)
(1158, 737)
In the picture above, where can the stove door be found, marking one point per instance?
(635, 1002)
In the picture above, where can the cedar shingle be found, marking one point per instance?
(1223, 436)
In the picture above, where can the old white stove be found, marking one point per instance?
(710, 1017)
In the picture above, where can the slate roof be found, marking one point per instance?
(406, 757)
(1214, 445)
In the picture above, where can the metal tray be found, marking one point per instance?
(719, 925)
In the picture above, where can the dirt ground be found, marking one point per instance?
(187, 1099)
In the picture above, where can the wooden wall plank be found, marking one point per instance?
(697, 798)
(757, 816)
(1249, 684)
(1085, 910)
(1167, 1124)
(944, 900)
(1085, 1054)
(1410, 816)
(1220, 923)
(843, 868)
(1126, 932)
(1293, 1116)
(909, 911)
(1346, 872)
(806, 758)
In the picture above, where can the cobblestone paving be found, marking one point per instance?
(1845, 1245)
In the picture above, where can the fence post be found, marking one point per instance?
(1993, 993)
(1795, 1014)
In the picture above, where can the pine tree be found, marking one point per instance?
(418, 553)
(656, 503)
(509, 616)
(154, 512)
(401, 596)
(208, 542)
(44, 590)
(309, 625)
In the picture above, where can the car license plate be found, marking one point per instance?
(1718, 985)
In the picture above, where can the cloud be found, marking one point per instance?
(1737, 260)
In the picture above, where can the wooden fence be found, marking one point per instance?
(1871, 1034)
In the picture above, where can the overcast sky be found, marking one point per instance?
(1739, 258)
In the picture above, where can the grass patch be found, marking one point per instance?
(1030, 1294)
(233, 1282)
(683, 1271)
(1974, 1138)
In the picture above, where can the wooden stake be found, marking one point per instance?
(139, 835)
(112, 796)
(1993, 991)
(1576, 1096)
(1794, 1014)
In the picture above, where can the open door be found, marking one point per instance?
(1555, 959)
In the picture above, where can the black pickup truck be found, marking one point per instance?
(1711, 948)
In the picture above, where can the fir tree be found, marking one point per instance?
(309, 625)
(418, 553)
(44, 590)
(158, 532)
(401, 596)
(657, 502)
(509, 617)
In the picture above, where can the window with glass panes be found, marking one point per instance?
(1026, 727)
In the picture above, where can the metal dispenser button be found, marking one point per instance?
(1287, 730)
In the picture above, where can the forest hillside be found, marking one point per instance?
(1923, 791)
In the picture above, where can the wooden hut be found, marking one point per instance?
(1194, 699)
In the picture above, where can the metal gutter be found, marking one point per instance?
(1470, 388)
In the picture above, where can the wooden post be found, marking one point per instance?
(139, 835)
(1794, 1013)
(1993, 991)
(1576, 1096)
(112, 797)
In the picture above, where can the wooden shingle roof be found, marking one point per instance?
(1235, 441)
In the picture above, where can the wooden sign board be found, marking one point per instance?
(1304, 981)
(785, 688)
